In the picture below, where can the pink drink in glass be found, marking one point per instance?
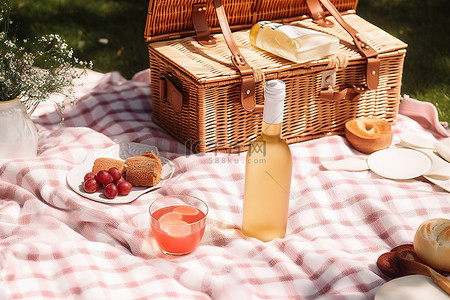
(178, 223)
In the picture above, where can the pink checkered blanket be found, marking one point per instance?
(56, 244)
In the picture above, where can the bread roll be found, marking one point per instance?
(432, 243)
(144, 169)
(105, 163)
(368, 134)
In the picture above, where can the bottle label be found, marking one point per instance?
(292, 32)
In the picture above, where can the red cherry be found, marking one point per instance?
(115, 173)
(120, 180)
(124, 188)
(110, 191)
(103, 177)
(88, 176)
(91, 185)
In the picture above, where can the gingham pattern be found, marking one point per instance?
(57, 244)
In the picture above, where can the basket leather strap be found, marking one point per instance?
(248, 100)
(352, 93)
(373, 62)
(201, 25)
(318, 14)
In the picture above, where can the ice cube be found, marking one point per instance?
(186, 210)
(175, 228)
(170, 217)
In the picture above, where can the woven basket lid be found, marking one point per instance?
(169, 19)
(211, 64)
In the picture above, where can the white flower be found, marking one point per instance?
(19, 76)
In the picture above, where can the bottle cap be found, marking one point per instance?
(274, 94)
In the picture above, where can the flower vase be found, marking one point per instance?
(18, 134)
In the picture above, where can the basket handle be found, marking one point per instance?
(373, 62)
(352, 93)
(247, 78)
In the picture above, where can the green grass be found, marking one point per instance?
(420, 23)
(83, 22)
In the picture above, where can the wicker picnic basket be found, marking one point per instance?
(207, 79)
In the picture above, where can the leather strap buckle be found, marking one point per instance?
(373, 72)
(373, 63)
(248, 99)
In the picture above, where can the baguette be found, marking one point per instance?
(432, 243)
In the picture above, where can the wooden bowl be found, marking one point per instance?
(368, 134)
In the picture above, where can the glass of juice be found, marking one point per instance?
(178, 223)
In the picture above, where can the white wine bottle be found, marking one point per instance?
(268, 172)
(294, 43)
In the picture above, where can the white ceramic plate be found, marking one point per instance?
(122, 151)
(398, 163)
(412, 287)
(443, 183)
